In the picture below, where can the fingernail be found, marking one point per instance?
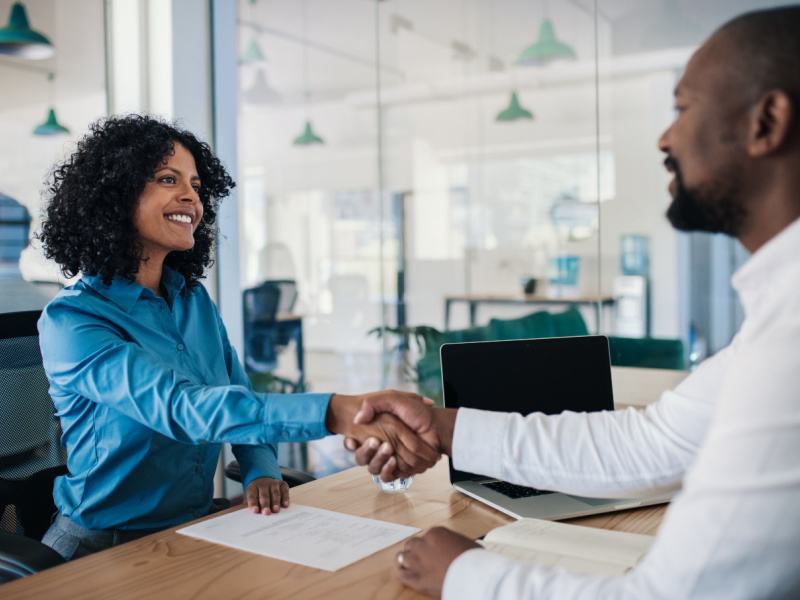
(276, 508)
(253, 510)
(265, 511)
(358, 417)
(386, 448)
(372, 443)
(285, 503)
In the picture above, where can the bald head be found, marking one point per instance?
(761, 52)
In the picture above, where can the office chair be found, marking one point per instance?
(31, 455)
(259, 308)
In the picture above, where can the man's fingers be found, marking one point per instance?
(411, 450)
(380, 458)
(367, 451)
(388, 470)
(351, 444)
(428, 401)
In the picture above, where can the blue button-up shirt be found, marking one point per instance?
(147, 394)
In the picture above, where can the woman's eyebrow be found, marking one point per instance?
(177, 172)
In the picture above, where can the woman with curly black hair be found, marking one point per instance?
(141, 370)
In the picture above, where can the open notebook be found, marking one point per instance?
(572, 547)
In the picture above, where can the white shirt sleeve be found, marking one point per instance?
(733, 532)
(620, 454)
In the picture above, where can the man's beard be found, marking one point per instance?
(713, 207)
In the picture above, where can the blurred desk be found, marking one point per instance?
(473, 300)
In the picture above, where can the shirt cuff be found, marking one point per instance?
(474, 574)
(257, 461)
(486, 457)
(295, 417)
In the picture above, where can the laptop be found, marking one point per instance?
(548, 375)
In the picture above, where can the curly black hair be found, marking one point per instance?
(91, 198)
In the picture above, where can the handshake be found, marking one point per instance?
(395, 434)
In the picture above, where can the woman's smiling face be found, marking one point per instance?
(169, 208)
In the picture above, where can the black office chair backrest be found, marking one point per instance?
(31, 455)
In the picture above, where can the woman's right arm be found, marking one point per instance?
(86, 355)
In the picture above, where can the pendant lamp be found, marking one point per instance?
(546, 49)
(308, 137)
(51, 126)
(19, 40)
(252, 54)
(514, 111)
(261, 92)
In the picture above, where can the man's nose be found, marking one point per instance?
(663, 141)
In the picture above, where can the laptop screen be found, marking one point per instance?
(548, 375)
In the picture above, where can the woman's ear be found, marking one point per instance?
(771, 122)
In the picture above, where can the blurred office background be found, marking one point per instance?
(391, 155)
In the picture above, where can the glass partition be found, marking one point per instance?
(45, 105)
(472, 169)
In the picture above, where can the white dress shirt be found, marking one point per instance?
(729, 434)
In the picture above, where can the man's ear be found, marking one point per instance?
(771, 122)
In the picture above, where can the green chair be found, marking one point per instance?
(651, 353)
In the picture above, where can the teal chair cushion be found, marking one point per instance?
(652, 353)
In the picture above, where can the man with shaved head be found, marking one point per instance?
(729, 434)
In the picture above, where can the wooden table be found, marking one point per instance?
(169, 565)
(473, 300)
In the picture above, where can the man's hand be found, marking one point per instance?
(411, 454)
(266, 495)
(434, 425)
(425, 560)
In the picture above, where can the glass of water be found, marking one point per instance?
(392, 487)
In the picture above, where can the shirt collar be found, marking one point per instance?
(768, 267)
(125, 293)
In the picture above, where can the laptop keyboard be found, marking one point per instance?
(514, 491)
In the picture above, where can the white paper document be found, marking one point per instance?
(314, 537)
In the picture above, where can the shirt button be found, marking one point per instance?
(181, 347)
(198, 469)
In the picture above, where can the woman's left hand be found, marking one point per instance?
(266, 495)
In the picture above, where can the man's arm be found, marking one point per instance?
(613, 454)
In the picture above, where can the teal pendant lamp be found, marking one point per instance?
(514, 111)
(546, 49)
(19, 40)
(51, 126)
(308, 137)
(252, 54)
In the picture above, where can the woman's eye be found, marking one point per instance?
(168, 179)
(196, 188)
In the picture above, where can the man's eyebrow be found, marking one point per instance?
(177, 172)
